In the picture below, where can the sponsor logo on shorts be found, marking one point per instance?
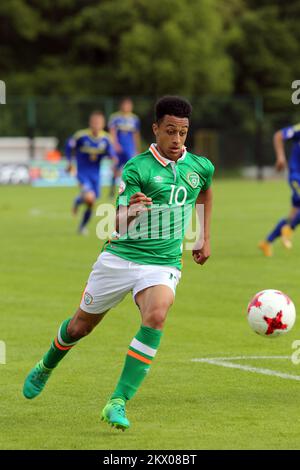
(122, 187)
(193, 179)
(88, 298)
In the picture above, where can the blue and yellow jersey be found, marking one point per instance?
(293, 132)
(89, 150)
(126, 125)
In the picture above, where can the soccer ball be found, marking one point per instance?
(271, 313)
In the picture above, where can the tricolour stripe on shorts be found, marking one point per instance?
(143, 348)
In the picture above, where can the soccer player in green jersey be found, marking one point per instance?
(142, 257)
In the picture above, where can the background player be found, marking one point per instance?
(90, 146)
(286, 226)
(171, 178)
(124, 128)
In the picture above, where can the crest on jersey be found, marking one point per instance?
(193, 179)
(88, 298)
(122, 187)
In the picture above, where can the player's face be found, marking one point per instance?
(171, 134)
(126, 106)
(97, 123)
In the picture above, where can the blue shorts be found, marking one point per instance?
(89, 184)
(294, 182)
(123, 158)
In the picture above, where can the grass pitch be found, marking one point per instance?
(182, 404)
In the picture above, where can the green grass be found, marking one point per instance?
(182, 404)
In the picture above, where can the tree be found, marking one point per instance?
(114, 47)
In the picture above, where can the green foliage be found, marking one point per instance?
(141, 47)
(265, 49)
(116, 47)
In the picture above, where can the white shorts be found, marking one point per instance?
(113, 277)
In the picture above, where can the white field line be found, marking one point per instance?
(224, 362)
(236, 358)
(49, 215)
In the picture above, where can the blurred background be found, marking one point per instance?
(234, 59)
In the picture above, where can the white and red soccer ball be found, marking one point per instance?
(271, 313)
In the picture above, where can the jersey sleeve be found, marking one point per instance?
(291, 132)
(69, 147)
(210, 172)
(110, 151)
(112, 122)
(130, 184)
(137, 124)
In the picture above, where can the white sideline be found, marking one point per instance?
(225, 362)
(235, 358)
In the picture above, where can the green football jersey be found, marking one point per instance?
(156, 236)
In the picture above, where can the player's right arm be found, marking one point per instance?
(126, 214)
(278, 142)
(280, 136)
(69, 151)
(112, 126)
(131, 200)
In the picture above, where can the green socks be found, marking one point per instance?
(139, 357)
(141, 352)
(59, 347)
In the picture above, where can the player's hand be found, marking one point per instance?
(69, 168)
(138, 203)
(280, 164)
(118, 147)
(201, 255)
(140, 198)
(115, 161)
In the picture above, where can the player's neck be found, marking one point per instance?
(172, 158)
(95, 133)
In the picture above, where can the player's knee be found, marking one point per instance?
(80, 329)
(89, 199)
(155, 317)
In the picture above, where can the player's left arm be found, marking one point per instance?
(201, 251)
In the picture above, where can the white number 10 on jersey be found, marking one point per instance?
(179, 196)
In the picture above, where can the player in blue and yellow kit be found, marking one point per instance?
(286, 226)
(90, 146)
(124, 127)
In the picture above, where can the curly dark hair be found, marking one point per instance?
(174, 106)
